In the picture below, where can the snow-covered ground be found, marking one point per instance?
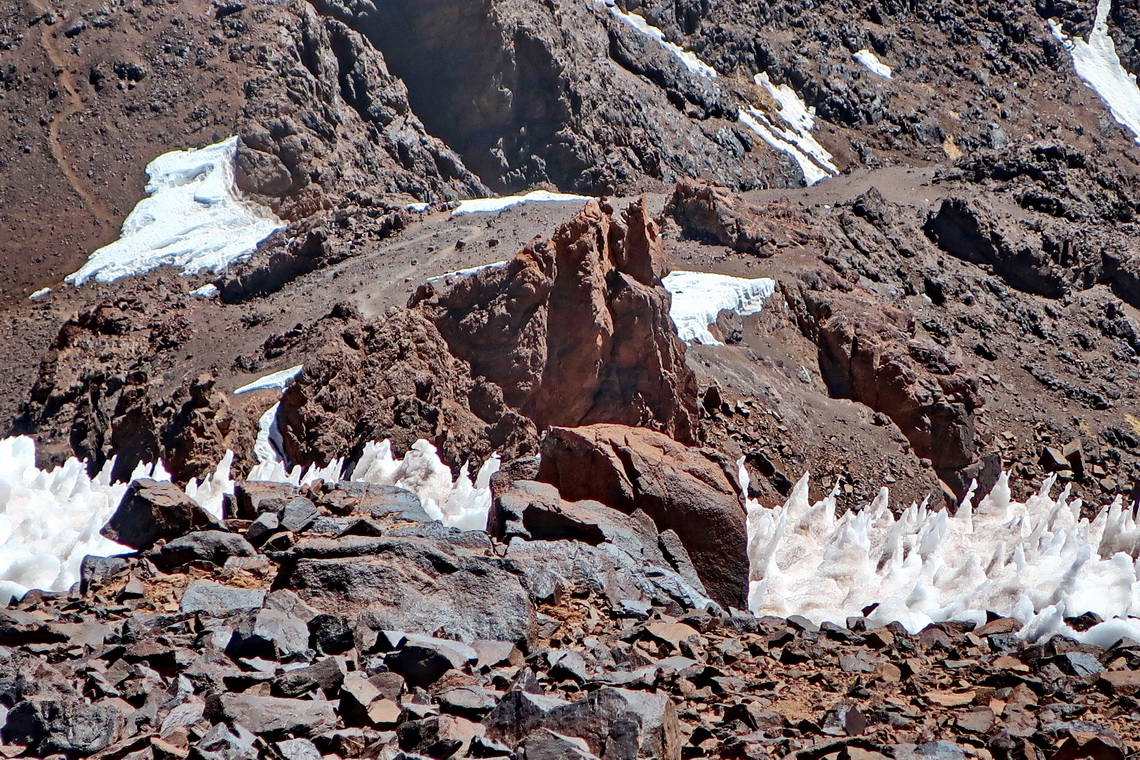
(795, 136)
(699, 296)
(194, 218)
(873, 64)
(273, 382)
(1096, 62)
(487, 205)
(689, 59)
(50, 519)
(1037, 562)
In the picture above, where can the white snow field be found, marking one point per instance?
(873, 64)
(50, 519)
(1096, 62)
(1037, 562)
(689, 59)
(699, 296)
(795, 137)
(274, 382)
(194, 217)
(490, 205)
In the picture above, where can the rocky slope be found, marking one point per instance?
(356, 629)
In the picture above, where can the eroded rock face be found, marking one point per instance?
(392, 379)
(294, 158)
(682, 489)
(525, 93)
(868, 352)
(713, 214)
(576, 330)
(99, 394)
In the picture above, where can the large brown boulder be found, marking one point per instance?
(575, 330)
(714, 214)
(682, 489)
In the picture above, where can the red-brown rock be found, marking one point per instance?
(682, 489)
(575, 330)
(868, 352)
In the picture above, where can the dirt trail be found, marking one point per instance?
(74, 106)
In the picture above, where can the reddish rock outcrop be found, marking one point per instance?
(576, 330)
(868, 352)
(682, 489)
(393, 379)
(202, 429)
(716, 215)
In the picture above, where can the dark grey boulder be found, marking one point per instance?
(152, 511)
(268, 634)
(545, 744)
(297, 514)
(271, 717)
(418, 586)
(214, 546)
(370, 500)
(326, 675)
(218, 600)
(65, 724)
(620, 723)
(253, 498)
(422, 660)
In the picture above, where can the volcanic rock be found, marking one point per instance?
(714, 214)
(419, 586)
(152, 511)
(576, 330)
(868, 352)
(681, 489)
(406, 386)
(271, 716)
(214, 546)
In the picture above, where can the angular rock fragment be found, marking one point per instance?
(418, 586)
(214, 546)
(152, 511)
(271, 717)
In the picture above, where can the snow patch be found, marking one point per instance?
(467, 271)
(208, 292)
(487, 205)
(39, 294)
(459, 503)
(699, 296)
(873, 64)
(50, 519)
(276, 381)
(687, 58)
(1096, 62)
(795, 137)
(193, 218)
(1037, 561)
